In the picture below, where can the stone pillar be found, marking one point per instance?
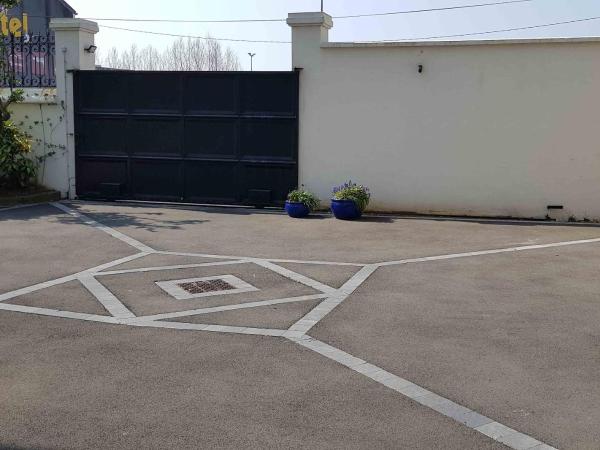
(73, 40)
(309, 31)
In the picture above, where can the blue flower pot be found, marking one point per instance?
(296, 209)
(345, 209)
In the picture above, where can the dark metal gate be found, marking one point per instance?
(199, 137)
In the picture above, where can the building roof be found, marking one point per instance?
(69, 7)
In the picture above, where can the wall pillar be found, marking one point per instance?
(309, 31)
(73, 37)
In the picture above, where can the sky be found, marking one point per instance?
(278, 56)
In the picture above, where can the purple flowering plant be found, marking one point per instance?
(351, 191)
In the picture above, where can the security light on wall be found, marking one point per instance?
(91, 49)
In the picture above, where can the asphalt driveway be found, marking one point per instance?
(383, 333)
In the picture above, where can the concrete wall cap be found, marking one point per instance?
(310, 19)
(466, 42)
(66, 24)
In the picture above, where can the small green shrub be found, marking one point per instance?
(302, 196)
(352, 191)
(17, 168)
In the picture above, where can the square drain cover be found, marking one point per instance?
(205, 287)
(200, 287)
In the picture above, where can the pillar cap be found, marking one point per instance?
(66, 24)
(310, 19)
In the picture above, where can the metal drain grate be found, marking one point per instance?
(201, 287)
(205, 287)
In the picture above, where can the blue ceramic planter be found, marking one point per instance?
(345, 209)
(296, 209)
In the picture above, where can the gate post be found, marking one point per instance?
(74, 51)
(310, 30)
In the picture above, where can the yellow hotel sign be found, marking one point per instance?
(17, 26)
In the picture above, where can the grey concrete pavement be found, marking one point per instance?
(71, 296)
(72, 385)
(249, 233)
(334, 276)
(280, 316)
(514, 337)
(112, 360)
(140, 293)
(39, 243)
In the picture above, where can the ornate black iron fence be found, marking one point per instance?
(27, 61)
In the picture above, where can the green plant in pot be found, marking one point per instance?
(350, 200)
(300, 203)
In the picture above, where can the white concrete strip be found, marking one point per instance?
(36, 287)
(66, 279)
(139, 323)
(111, 303)
(488, 252)
(182, 266)
(57, 313)
(114, 233)
(214, 309)
(319, 263)
(324, 308)
(114, 263)
(291, 261)
(448, 408)
(202, 255)
(207, 327)
(296, 276)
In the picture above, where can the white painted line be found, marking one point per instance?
(36, 287)
(114, 233)
(291, 261)
(329, 304)
(114, 263)
(295, 276)
(488, 252)
(201, 255)
(206, 327)
(159, 268)
(448, 408)
(173, 288)
(66, 279)
(112, 304)
(319, 263)
(57, 313)
(195, 312)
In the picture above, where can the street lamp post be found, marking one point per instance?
(252, 55)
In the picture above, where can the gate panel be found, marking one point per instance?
(202, 137)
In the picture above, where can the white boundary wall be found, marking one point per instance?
(48, 114)
(498, 128)
(41, 117)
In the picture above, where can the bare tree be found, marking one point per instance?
(112, 58)
(149, 59)
(182, 55)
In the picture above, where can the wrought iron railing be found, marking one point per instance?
(27, 61)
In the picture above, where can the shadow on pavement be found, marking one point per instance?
(151, 221)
